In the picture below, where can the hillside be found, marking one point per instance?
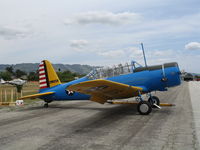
(32, 67)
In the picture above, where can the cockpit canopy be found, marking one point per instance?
(105, 72)
(133, 67)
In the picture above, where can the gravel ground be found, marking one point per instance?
(89, 125)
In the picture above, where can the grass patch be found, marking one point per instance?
(8, 93)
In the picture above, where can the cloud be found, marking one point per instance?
(12, 33)
(163, 28)
(103, 17)
(162, 53)
(112, 53)
(78, 44)
(193, 46)
(134, 52)
(128, 53)
(161, 56)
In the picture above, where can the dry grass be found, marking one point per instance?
(8, 93)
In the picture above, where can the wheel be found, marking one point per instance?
(46, 105)
(154, 100)
(144, 107)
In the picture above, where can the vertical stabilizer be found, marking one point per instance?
(47, 75)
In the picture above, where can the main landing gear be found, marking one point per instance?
(154, 101)
(145, 107)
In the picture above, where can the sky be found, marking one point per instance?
(100, 33)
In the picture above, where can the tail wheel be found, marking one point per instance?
(154, 100)
(144, 107)
(46, 105)
(48, 101)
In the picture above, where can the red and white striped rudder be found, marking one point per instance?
(42, 76)
(47, 75)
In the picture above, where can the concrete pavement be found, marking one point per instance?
(89, 125)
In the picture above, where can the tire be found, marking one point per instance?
(154, 99)
(144, 108)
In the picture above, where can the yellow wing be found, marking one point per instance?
(36, 95)
(103, 90)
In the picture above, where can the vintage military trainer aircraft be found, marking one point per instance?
(103, 84)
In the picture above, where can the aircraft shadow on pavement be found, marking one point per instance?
(125, 109)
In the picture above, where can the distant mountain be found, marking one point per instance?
(32, 67)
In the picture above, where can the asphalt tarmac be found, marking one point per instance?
(89, 125)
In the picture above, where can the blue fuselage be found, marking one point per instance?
(148, 79)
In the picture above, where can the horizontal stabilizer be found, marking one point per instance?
(36, 95)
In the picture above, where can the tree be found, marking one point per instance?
(33, 76)
(67, 76)
(10, 70)
(19, 73)
(5, 75)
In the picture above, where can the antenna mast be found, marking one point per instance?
(145, 61)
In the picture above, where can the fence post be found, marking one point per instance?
(16, 94)
(5, 96)
(11, 95)
(1, 96)
(21, 93)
